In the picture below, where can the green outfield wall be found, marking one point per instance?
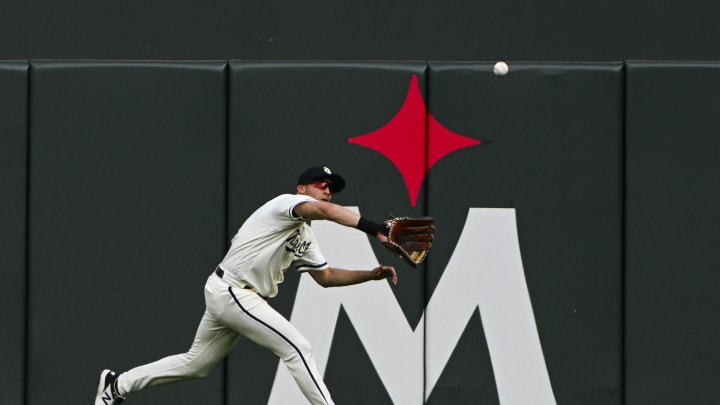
(575, 203)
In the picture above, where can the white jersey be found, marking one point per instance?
(271, 240)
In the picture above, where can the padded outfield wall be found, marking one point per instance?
(574, 206)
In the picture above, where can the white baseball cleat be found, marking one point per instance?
(107, 389)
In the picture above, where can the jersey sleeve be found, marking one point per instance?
(286, 203)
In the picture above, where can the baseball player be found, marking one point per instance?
(276, 236)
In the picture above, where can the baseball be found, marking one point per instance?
(500, 68)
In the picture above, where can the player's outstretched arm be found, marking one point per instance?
(334, 277)
(316, 210)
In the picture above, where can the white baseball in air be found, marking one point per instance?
(500, 68)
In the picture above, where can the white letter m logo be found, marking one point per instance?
(485, 272)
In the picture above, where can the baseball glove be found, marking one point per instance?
(410, 238)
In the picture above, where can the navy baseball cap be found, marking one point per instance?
(322, 172)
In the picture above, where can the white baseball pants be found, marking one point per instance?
(232, 312)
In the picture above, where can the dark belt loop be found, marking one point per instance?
(220, 273)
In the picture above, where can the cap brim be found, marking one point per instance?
(338, 183)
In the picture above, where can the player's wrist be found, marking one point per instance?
(371, 228)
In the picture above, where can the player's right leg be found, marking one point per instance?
(213, 341)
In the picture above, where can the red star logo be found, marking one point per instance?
(414, 140)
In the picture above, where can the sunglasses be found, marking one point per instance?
(322, 185)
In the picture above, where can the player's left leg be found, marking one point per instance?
(254, 318)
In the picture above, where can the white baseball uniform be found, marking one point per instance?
(266, 245)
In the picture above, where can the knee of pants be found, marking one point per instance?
(202, 372)
(198, 368)
(300, 347)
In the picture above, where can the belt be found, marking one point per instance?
(220, 273)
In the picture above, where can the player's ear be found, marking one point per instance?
(301, 189)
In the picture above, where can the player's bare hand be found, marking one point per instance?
(388, 272)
